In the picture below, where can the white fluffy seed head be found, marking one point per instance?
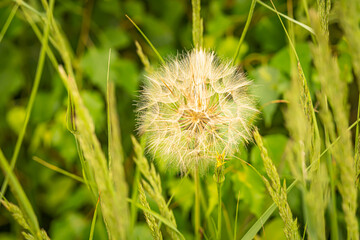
(194, 107)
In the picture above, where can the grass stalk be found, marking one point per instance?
(219, 184)
(243, 34)
(20, 196)
(197, 203)
(33, 94)
(8, 21)
(236, 216)
(277, 192)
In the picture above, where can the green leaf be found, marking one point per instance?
(183, 191)
(115, 38)
(281, 59)
(125, 75)
(251, 189)
(270, 83)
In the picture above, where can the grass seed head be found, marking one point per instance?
(194, 106)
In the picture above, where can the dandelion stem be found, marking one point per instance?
(197, 30)
(197, 203)
(219, 183)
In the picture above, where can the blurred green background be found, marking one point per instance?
(64, 206)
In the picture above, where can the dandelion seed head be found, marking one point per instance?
(194, 106)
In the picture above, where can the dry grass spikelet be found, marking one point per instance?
(194, 106)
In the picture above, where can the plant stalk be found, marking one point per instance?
(197, 203)
(219, 184)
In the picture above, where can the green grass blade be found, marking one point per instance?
(20, 195)
(8, 21)
(27, 6)
(236, 216)
(251, 233)
(146, 38)
(33, 94)
(92, 229)
(57, 169)
(243, 34)
(288, 18)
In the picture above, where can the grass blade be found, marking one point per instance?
(8, 21)
(288, 18)
(243, 34)
(92, 229)
(147, 40)
(57, 169)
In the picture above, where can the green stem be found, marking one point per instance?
(197, 31)
(219, 210)
(197, 203)
(357, 146)
(8, 21)
(285, 16)
(333, 213)
(247, 24)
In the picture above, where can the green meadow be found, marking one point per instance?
(174, 119)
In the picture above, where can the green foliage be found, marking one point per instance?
(305, 72)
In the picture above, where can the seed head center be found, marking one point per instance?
(195, 121)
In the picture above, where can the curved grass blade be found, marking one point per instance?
(147, 40)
